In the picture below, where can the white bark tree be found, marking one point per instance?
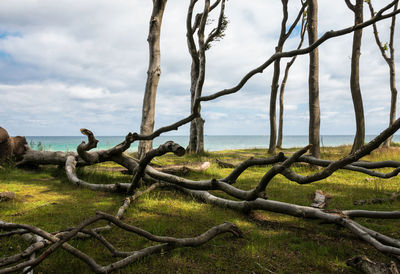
(153, 75)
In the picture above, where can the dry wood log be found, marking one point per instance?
(320, 199)
(184, 169)
(393, 196)
(224, 164)
(365, 265)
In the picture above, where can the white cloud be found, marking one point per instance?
(70, 63)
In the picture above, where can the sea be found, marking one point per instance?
(211, 142)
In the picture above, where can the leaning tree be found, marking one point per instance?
(44, 243)
(355, 89)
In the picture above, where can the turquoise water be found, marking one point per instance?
(212, 143)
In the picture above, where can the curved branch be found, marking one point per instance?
(363, 151)
(168, 243)
(168, 146)
(231, 178)
(83, 148)
(205, 237)
(70, 169)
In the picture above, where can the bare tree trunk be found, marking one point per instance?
(197, 52)
(193, 128)
(281, 108)
(275, 78)
(153, 75)
(283, 85)
(390, 61)
(359, 138)
(314, 125)
(272, 104)
(393, 102)
(275, 81)
(200, 135)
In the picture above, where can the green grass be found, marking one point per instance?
(273, 242)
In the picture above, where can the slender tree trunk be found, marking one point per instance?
(275, 80)
(313, 85)
(194, 74)
(201, 76)
(393, 102)
(392, 69)
(272, 104)
(200, 135)
(283, 85)
(359, 138)
(281, 106)
(197, 52)
(153, 75)
(281, 110)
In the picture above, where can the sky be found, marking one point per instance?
(68, 64)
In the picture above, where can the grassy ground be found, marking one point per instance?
(272, 243)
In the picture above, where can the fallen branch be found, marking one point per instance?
(183, 169)
(394, 196)
(365, 265)
(168, 243)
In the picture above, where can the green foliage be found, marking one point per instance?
(219, 32)
(39, 146)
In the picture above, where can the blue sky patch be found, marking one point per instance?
(6, 34)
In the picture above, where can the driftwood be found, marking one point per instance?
(365, 265)
(6, 196)
(183, 169)
(393, 197)
(55, 242)
(320, 199)
(224, 164)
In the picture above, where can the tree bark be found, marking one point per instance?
(200, 135)
(272, 105)
(283, 85)
(153, 75)
(194, 74)
(313, 81)
(390, 62)
(359, 138)
(197, 75)
(275, 81)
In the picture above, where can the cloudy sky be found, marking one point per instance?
(68, 64)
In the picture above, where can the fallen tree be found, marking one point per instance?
(254, 199)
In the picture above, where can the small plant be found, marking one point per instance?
(40, 146)
(32, 144)
(395, 144)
